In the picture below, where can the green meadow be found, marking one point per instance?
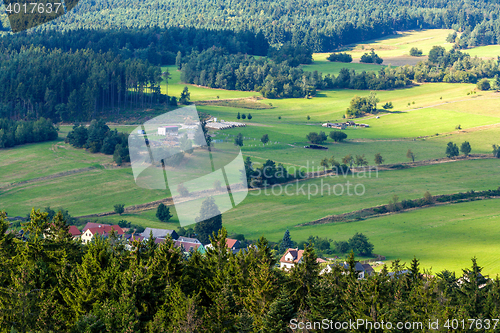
(441, 237)
(397, 46)
(424, 119)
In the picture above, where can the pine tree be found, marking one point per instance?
(465, 148)
(304, 276)
(280, 313)
(178, 60)
(286, 242)
(163, 213)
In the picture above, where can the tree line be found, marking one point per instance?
(20, 132)
(322, 26)
(73, 86)
(52, 283)
(155, 45)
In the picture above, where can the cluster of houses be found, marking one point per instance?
(343, 126)
(293, 257)
(188, 244)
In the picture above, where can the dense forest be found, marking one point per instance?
(75, 75)
(54, 284)
(158, 46)
(36, 82)
(20, 132)
(320, 24)
(216, 68)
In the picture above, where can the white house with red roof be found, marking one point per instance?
(92, 229)
(290, 258)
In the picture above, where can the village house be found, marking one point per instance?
(159, 233)
(363, 270)
(104, 230)
(290, 258)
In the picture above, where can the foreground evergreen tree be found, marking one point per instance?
(280, 313)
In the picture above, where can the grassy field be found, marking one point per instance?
(175, 87)
(442, 237)
(283, 211)
(30, 161)
(396, 48)
(424, 119)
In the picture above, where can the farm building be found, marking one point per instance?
(168, 130)
(335, 125)
(224, 125)
(343, 126)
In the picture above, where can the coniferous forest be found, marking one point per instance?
(50, 283)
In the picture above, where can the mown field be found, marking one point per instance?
(395, 49)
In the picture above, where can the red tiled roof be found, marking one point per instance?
(90, 225)
(187, 245)
(106, 229)
(296, 254)
(230, 242)
(73, 230)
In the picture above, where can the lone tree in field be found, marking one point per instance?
(361, 105)
(415, 52)
(286, 242)
(243, 116)
(238, 140)
(338, 136)
(238, 116)
(348, 160)
(249, 116)
(185, 96)
(465, 148)
(316, 138)
(119, 209)
(209, 221)
(163, 213)
(178, 60)
(378, 159)
(409, 154)
(183, 191)
(428, 199)
(359, 243)
(496, 151)
(217, 185)
(388, 106)
(484, 84)
(361, 160)
(452, 150)
(264, 139)
(324, 163)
